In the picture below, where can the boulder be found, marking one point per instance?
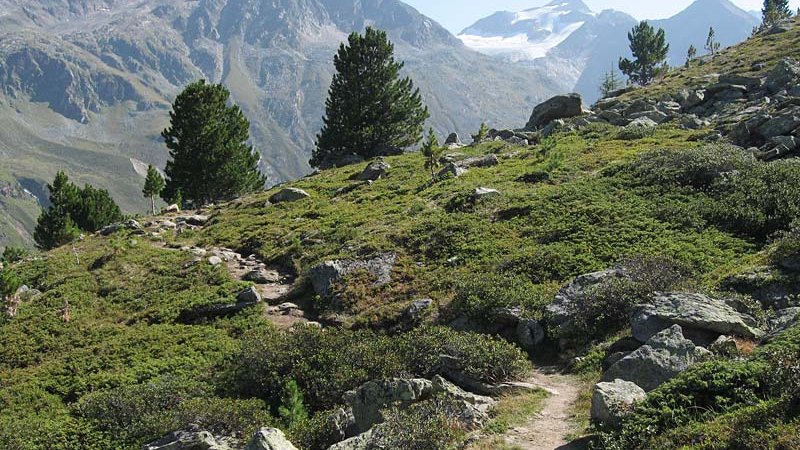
(190, 439)
(468, 409)
(782, 124)
(451, 169)
(117, 227)
(417, 308)
(782, 320)
(325, 275)
(269, 439)
(611, 401)
(262, 276)
(374, 171)
(452, 369)
(784, 75)
(530, 334)
(695, 98)
(484, 192)
(693, 311)
(642, 122)
(368, 400)
(662, 357)
(452, 139)
(725, 346)
(341, 425)
(558, 107)
(172, 208)
(561, 311)
(249, 295)
(479, 161)
(552, 127)
(215, 260)
(360, 442)
(288, 195)
(197, 220)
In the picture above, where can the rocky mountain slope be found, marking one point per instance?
(85, 84)
(568, 39)
(642, 247)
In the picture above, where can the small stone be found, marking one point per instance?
(215, 260)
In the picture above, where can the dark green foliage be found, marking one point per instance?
(712, 46)
(73, 210)
(478, 297)
(210, 159)
(774, 11)
(432, 152)
(370, 109)
(483, 131)
(691, 54)
(13, 254)
(606, 309)
(423, 426)
(153, 185)
(292, 410)
(326, 364)
(634, 133)
(9, 283)
(649, 48)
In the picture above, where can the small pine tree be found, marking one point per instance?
(483, 131)
(712, 46)
(13, 254)
(691, 54)
(649, 48)
(153, 185)
(432, 152)
(292, 410)
(9, 283)
(610, 83)
(370, 111)
(95, 209)
(774, 11)
(210, 159)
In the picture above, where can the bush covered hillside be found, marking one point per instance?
(626, 277)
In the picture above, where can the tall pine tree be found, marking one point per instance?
(649, 48)
(210, 158)
(153, 185)
(712, 46)
(774, 11)
(370, 111)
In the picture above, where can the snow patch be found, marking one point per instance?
(519, 47)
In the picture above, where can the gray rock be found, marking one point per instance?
(187, 440)
(484, 192)
(643, 122)
(782, 321)
(785, 74)
(325, 275)
(288, 195)
(663, 357)
(695, 98)
(117, 227)
(694, 311)
(368, 400)
(611, 401)
(561, 311)
(452, 139)
(742, 80)
(269, 439)
(360, 442)
(262, 276)
(451, 169)
(725, 346)
(249, 295)
(552, 127)
(374, 171)
(215, 260)
(479, 161)
(782, 124)
(558, 107)
(341, 425)
(530, 334)
(197, 220)
(417, 308)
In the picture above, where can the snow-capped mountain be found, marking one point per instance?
(576, 45)
(530, 34)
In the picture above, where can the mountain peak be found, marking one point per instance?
(571, 5)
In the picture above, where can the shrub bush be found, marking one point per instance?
(478, 296)
(423, 426)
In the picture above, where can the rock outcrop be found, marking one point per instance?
(611, 401)
(558, 107)
(286, 195)
(561, 311)
(368, 400)
(324, 276)
(269, 439)
(374, 171)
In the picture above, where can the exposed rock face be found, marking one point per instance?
(368, 400)
(692, 311)
(325, 275)
(374, 171)
(664, 356)
(417, 308)
(782, 321)
(484, 192)
(288, 195)
(611, 401)
(530, 334)
(785, 74)
(558, 107)
(188, 440)
(269, 439)
(452, 139)
(561, 310)
(360, 442)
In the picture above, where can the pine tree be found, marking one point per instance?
(773, 12)
(55, 226)
(649, 48)
(691, 54)
(610, 83)
(13, 254)
(292, 410)
(431, 151)
(210, 159)
(153, 185)
(712, 46)
(370, 110)
(483, 131)
(95, 209)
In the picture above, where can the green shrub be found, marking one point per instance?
(478, 296)
(633, 133)
(13, 254)
(422, 426)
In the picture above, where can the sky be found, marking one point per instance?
(455, 15)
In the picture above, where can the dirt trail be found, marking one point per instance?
(548, 429)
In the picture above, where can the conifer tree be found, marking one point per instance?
(774, 11)
(370, 111)
(431, 151)
(610, 83)
(712, 46)
(649, 48)
(153, 185)
(210, 159)
(292, 409)
(691, 54)
(483, 131)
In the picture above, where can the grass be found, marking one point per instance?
(513, 411)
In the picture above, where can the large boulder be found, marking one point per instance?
(325, 275)
(784, 75)
(286, 195)
(662, 357)
(360, 442)
(693, 311)
(782, 320)
(469, 410)
(558, 107)
(530, 334)
(189, 439)
(374, 171)
(561, 311)
(611, 401)
(782, 124)
(371, 398)
(269, 439)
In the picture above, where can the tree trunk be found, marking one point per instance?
(153, 203)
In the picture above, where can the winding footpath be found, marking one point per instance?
(548, 429)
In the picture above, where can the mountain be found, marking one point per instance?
(85, 85)
(577, 46)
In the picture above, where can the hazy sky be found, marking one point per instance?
(456, 15)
